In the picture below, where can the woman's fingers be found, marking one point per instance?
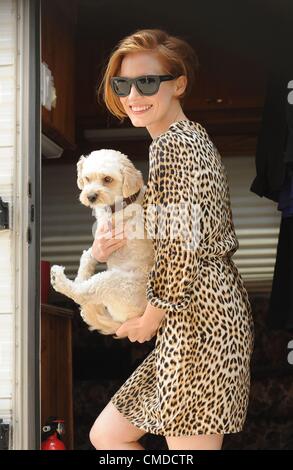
(116, 246)
(108, 240)
(113, 242)
(107, 233)
(121, 332)
(115, 233)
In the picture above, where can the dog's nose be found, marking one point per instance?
(92, 197)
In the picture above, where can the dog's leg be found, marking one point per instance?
(87, 266)
(74, 290)
(101, 288)
(84, 293)
(95, 290)
(105, 292)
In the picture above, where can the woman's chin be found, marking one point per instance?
(139, 121)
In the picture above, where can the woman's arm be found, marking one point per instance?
(173, 188)
(175, 267)
(152, 313)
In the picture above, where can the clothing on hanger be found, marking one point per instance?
(289, 115)
(280, 313)
(286, 196)
(269, 158)
(274, 148)
(274, 167)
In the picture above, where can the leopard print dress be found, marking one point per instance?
(196, 380)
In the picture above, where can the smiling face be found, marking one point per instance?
(154, 112)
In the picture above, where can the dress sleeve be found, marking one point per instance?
(172, 186)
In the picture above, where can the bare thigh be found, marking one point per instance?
(198, 442)
(112, 427)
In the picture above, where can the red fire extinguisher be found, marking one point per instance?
(52, 434)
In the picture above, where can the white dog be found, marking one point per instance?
(114, 188)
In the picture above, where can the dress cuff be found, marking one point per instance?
(166, 305)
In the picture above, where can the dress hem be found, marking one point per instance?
(151, 430)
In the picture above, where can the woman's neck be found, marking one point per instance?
(158, 128)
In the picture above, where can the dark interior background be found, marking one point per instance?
(238, 44)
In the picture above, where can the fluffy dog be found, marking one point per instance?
(114, 189)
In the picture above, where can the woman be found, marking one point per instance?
(194, 385)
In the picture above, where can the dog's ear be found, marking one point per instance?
(132, 179)
(79, 166)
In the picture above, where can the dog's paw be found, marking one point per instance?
(57, 275)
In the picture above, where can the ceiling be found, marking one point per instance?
(250, 27)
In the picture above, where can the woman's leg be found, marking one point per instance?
(198, 442)
(111, 431)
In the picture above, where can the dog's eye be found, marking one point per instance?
(108, 179)
(87, 179)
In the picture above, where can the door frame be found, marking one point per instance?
(27, 203)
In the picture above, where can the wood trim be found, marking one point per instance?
(56, 367)
(49, 309)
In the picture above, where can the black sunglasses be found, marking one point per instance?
(146, 84)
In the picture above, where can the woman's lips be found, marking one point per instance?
(140, 109)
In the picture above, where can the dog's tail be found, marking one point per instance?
(98, 318)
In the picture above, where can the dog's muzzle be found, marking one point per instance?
(92, 197)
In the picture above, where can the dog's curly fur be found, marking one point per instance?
(109, 298)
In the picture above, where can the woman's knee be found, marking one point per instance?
(102, 433)
(111, 427)
(95, 435)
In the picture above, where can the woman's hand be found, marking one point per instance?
(105, 243)
(139, 329)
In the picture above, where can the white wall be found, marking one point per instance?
(8, 22)
(257, 223)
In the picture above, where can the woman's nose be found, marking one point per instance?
(133, 92)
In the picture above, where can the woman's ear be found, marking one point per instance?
(79, 166)
(132, 179)
(181, 84)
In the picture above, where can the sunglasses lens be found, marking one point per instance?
(120, 86)
(148, 85)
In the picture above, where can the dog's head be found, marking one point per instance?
(105, 175)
